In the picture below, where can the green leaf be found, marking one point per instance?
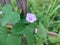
(7, 9)
(14, 5)
(52, 39)
(29, 35)
(13, 2)
(9, 15)
(18, 28)
(3, 35)
(3, 38)
(13, 18)
(39, 42)
(13, 40)
(42, 31)
(58, 37)
(27, 31)
(8, 39)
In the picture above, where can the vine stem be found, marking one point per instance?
(52, 33)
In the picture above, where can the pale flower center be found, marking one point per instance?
(30, 18)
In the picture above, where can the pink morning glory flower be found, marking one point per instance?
(30, 17)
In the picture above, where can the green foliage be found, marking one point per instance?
(48, 12)
(42, 31)
(48, 18)
(8, 39)
(9, 15)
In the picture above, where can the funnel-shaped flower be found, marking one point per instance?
(30, 17)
